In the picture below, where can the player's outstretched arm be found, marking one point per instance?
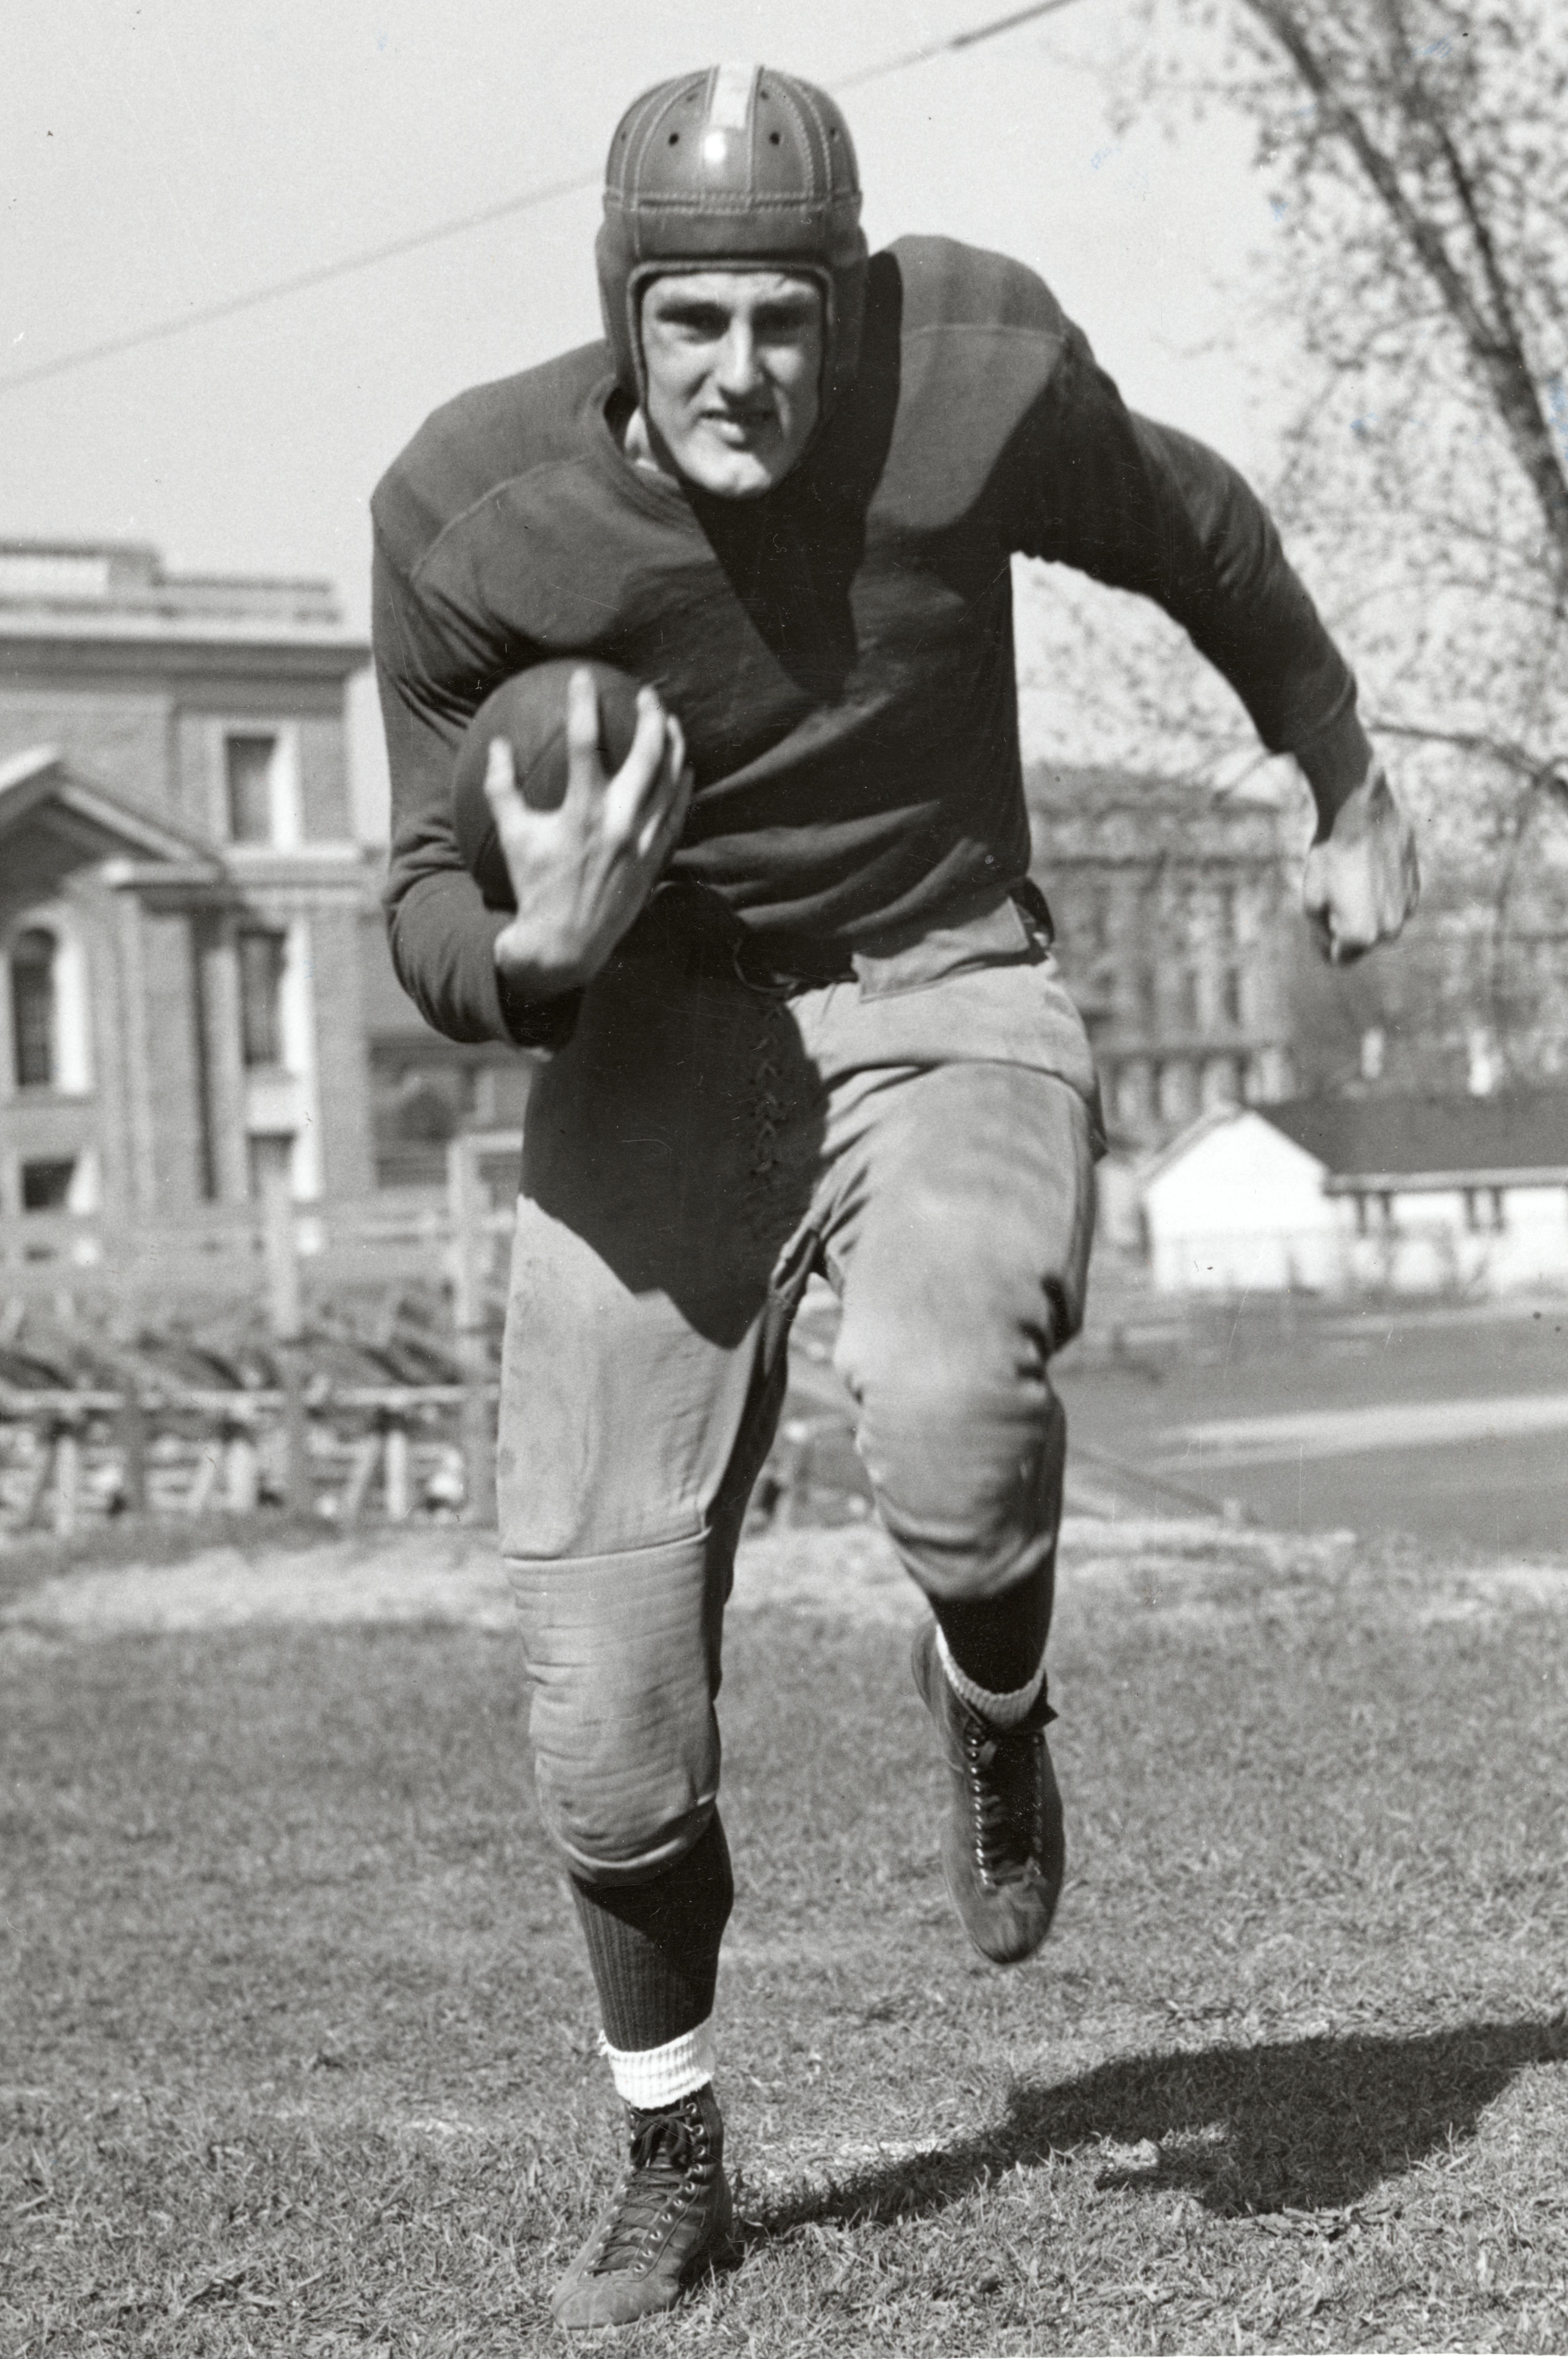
(1363, 877)
(582, 873)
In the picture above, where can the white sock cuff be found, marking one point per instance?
(1001, 1710)
(650, 2077)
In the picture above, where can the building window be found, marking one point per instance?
(1178, 1090)
(1221, 1083)
(34, 1027)
(45, 1187)
(1230, 995)
(250, 768)
(1484, 1211)
(1132, 1095)
(262, 958)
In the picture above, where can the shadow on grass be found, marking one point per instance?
(1303, 2124)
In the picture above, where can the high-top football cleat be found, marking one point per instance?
(670, 2212)
(1002, 1849)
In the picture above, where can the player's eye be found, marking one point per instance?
(701, 323)
(783, 326)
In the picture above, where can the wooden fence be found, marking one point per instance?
(234, 1445)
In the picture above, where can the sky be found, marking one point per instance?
(156, 159)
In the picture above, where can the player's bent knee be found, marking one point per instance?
(622, 1663)
(971, 1500)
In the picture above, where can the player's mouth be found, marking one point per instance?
(738, 428)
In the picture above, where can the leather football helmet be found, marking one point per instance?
(742, 167)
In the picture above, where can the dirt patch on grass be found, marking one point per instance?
(378, 1579)
(453, 1578)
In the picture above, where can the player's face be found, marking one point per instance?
(734, 364)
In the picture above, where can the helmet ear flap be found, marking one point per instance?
(612, 264)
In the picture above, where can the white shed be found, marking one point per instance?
(1412, 1192)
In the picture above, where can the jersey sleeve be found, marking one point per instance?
(441, 935)
(1143, 508)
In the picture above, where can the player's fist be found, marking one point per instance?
(580, 873)
(1362, 878)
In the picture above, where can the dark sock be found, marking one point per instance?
(998, 1641)
(653, 1947)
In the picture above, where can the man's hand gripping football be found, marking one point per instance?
(582, 873)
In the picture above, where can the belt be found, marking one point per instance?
(814, 972)
(740, 959)
(716, 954)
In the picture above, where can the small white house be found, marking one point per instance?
(1331, 1194)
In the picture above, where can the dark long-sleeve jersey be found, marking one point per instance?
(840, 652)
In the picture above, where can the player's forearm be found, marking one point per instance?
(1232, 587)
(442, 941)
(1248, 612)
(1337, 761)
(1143, 508)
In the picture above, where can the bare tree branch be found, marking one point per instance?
(1493, 342)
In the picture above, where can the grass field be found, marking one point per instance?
(298, 2047)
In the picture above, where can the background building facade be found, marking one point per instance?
(180, 889)
(1171, 904)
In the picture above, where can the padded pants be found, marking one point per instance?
(923, 1137)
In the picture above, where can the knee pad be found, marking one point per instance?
(623, 1658)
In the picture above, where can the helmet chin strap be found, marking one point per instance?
(638, 444)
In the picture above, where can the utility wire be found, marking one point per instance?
(987, 32)
(302, 282)
(324, 272)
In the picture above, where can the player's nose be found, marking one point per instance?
(739, 373)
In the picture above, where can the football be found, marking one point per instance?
(529, 711)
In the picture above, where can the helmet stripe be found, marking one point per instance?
(729, 108)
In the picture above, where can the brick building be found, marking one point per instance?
(1171, 915)
(180, 889)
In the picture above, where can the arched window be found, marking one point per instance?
(35, 1026)
(44, 980)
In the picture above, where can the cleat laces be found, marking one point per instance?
(667, 2155)
(1006, 1803)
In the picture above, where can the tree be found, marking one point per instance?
(1418, 156)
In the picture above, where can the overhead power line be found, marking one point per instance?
(987, 32)
(302, 282)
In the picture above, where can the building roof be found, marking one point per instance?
(115, 590)
(1414, 1137)
(40, 791)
